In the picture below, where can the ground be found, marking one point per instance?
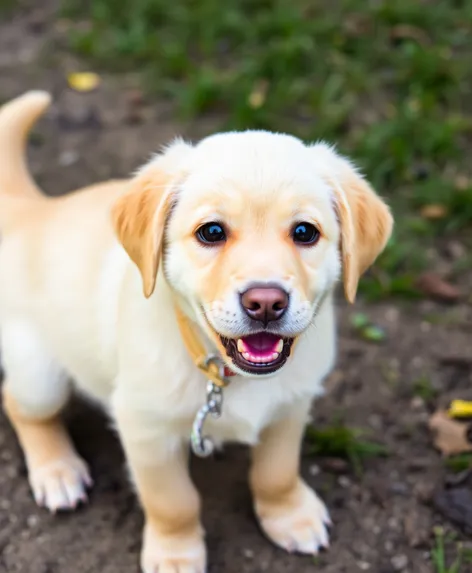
(385, 501)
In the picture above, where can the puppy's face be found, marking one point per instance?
(256, 224)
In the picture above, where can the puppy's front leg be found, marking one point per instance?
(289, 512)
(173, 537)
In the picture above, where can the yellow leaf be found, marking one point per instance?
(460, 409)
(83, 81)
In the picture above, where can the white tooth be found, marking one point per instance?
(280, 346)
(247, 356)
(275, 355)
(240, 345)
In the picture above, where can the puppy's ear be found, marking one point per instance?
(139, 216)
(365, 219)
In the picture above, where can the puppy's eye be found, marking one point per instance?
(211, 233)
(305, 234)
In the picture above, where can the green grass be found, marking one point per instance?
(389, 82)
(341, 441)
(460, 563)
(424, 388)
(459, 463)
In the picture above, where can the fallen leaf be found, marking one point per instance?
(450, 436)
(432, 285)
(434, 211)
(460, 409)
(258, 95)
(83, 81)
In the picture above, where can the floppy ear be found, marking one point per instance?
(139, 221)
(139, 216)
(365, 219)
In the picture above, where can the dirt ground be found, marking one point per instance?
(383, 520)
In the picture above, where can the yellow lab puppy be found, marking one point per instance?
(244, 234)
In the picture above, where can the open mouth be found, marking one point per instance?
(261, 353)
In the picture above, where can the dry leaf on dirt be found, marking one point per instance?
(434, 211)
(436, 287)
(450, 436)
(83, 81)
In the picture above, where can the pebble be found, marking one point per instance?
(399, 562)
(399, 488)
(314, 470)
(344, 481)
(248, 553)
(392, 314)
(5, 504)
(417, 403)
(426, 326)
(32, 520)
(363, 565)
(68, 157)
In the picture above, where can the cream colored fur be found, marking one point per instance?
(73, 314)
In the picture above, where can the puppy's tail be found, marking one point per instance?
(16, 119)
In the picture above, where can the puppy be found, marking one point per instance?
(245, 235)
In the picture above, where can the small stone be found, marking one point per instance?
(392, 314)
(425, 326)
(248, 553)
(314, 470)
(399, 562)
(11, 472)
(456, 250)
(344, 481)
(363, 565)
(399, 488)
(376, 530)
(32, 520)
(67, 158)
(417, 403)
(424, 492)
(375, 421)
(5, 504)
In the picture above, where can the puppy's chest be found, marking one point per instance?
(248, 407)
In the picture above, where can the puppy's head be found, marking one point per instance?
(254, 228)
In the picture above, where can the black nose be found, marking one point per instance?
(264, 304)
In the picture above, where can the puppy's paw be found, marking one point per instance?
(298, 524)
(184, 553)
(61, 484)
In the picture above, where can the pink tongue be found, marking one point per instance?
(261, 344)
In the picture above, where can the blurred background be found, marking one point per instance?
(390, 83)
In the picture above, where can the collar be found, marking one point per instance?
(211, 365)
